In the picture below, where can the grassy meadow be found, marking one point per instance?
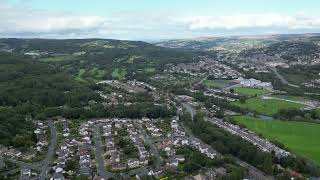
(301, 138)
(267, 106)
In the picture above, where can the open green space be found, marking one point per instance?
(97, 73)
(149, 70)
(250, 91)
(119, 73)
(301, 138)
(215, 83)
(267, 106)
(80, 74)
(59, 58)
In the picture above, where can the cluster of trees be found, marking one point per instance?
(195, 160)
(15, 130)
(209, 101)
(139, 110)
(294, 114)
(122, 140)
(227, 143)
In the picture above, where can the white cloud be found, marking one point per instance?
(15, 20)
(24, 21)
(250, 21)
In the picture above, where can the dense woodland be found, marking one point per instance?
(27, 89)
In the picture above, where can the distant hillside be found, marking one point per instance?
(236, 43)
(99, 58)
(288, 50)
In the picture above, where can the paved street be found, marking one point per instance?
(53, 142)
(102, 171)
(153, 149)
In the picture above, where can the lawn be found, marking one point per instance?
(215, 83)
(267, 106)
(301, 138)
(250, 91)
(119, 73)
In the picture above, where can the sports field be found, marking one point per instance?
(301, 138)
(249, 91)
(215, 83)
(267, 106)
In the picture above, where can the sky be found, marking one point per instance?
(156, 19)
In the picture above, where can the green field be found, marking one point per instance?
(267, 106)
(249, 91)
(59, 58)
(215, 83)
(80, 74)
(149, 70)
(97, 73)
(119, 73)
(301, 138)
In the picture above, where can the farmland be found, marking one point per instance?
(300, 137)
(267, 106)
